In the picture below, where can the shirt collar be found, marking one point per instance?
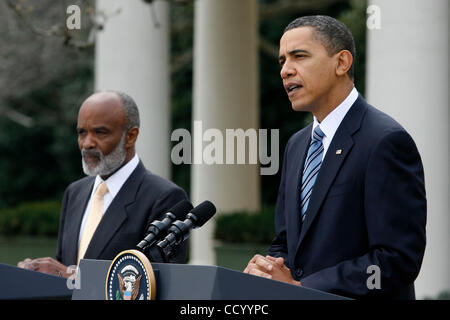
(330, 124)
(116, 181)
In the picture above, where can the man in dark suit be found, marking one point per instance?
(351, 208)
(132, 197)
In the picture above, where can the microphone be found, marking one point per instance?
(157, 228)
(179, 230)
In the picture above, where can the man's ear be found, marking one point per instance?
(131, 137)
(344, 62)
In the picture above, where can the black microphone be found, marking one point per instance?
(179, 230)
(157, 229)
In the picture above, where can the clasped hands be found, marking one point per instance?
(271, 268)
(267, 267)
(46, 265)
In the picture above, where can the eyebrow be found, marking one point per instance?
(95, 128)
(101, 128)
(292, 52)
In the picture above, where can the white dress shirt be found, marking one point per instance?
(114, 183)
(331, 123)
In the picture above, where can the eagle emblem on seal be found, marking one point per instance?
(129, 282)
(130, 277)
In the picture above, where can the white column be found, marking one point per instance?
(132, 55)
(225, 96)
(408, 78)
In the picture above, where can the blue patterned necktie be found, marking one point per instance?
(311, 169)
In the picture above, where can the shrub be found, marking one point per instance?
(244, 226)
(31, 218)
(443, 295)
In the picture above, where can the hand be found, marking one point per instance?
(46, 265)
(280, 272)
(259, 266)
(271, 268)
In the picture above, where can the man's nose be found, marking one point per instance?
(87, 142)
(287, 70)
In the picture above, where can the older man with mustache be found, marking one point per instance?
(109, 210)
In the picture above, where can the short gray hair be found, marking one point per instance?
(331, 33)
(131, 110)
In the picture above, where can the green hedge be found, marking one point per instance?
(444, 295)
(31, 218)
(243, 226)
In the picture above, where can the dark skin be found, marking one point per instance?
(270, 268)
(317, 82)
(321, 79)
(46, 265)
(101, 123)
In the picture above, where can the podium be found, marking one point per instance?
(17, 283)
(173, 282)
(195, 282)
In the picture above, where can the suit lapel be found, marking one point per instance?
(116, 214)
(332, 162)
(328, 171)
(75, 215)
(293, 181)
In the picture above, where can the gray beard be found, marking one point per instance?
(107, 164)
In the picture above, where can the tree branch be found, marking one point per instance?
(279, 8)
(17, 117)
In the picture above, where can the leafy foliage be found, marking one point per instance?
(240, 227)
(443, 295)
(40, 161)
(32, 218)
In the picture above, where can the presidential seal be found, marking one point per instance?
(130, 277)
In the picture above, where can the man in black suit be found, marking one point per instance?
(108, 126)
(351, 207)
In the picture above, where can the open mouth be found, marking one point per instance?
(291, 89)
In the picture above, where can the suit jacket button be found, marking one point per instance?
(299, 272)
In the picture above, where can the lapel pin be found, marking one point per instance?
(338, 151)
